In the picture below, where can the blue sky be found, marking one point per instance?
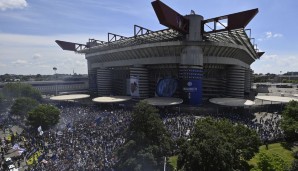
(28, 29)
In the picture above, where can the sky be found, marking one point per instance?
(29, 28)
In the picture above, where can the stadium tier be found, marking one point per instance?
(194, 59)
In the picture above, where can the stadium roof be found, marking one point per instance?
(237, 37)
(233, 102)
(111, 99)
(149, 37)
(70, 97)
(276, 99)
(163, 101)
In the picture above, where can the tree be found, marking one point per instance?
(294, 166)
(44, 115)
(22, 106)
(38, 77)
(218, 145)
(15, 90)
(270, 163)
(6, 77)
(147, 141)
(1, 97)
(289, 122)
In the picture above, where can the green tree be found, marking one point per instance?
(44, 115)
(1, 97)
(15, 90)
(147, 141)
(294, 166)
(6, 77)
(22, 106)
(270, 163)
(38, 77)
(289, 122)
(218, 145)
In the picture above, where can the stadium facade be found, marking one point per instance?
(194, 59)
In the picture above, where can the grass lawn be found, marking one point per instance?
(278, 149)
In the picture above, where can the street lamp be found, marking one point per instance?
(280, 77)
(55, 69)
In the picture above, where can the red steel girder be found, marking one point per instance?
(170, 18)
(235, 21)
(70, 46)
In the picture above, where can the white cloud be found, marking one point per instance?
(277, 35)
(269, 57)
(81, 63)
(273, 63)
(270, 35)
(12, 4)
(2, 65)
(260, 39)
(37, 56)
(19, 62)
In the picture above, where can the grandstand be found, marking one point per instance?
(194, 58)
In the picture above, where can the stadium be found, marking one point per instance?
(194, 59)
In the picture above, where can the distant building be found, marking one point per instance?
(78, 85)
(287, 77)
(64, 87)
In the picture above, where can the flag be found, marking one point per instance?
(187, 132)
(54, 157)
(16, 146)
(59, 133)
(23, 139)
(20, 152)
(40, 158)
(68, 125)
(44, 161)
(8, 138)
(39, 129)
(98, 120)
(33, 157)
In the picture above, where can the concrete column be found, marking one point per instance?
(140, 73)
(104, 87)
(92, 80)
(247, 83)
(194, 27)
(193, 55)
(235, 81)
(251, 77)
(191, 65)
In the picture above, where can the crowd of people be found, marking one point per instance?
(179, 125)
(87, 137)
(267, 125)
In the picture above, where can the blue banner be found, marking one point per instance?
(166, 87)
(191, 91)
(191, 85)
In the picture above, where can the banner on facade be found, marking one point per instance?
(134, 87)
(166, 87)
